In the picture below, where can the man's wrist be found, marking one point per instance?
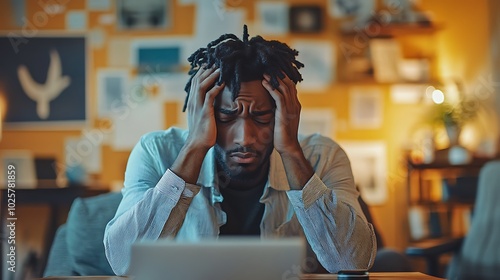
(293, 151)
(188, 163)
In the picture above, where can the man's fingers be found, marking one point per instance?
(212, 93)
(288, 82)
(210, 79)
(203, 79)
(275, 94)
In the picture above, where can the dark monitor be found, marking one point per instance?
(45, 168)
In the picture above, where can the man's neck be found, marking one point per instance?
(250, 182)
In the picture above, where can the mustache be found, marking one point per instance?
(241, 149)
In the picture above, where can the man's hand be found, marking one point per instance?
(286, 129)
(287, 115)
(201, 122)
(200, 108)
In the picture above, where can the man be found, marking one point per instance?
(242, 168)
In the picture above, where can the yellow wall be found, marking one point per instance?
(460, 49)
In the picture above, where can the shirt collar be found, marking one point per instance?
(277, 179)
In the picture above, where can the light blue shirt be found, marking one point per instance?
(157, 203)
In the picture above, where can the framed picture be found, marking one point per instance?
(366, 107)
(317, 120)
(319, 59)
(152, 56)
(369, 168)
(143, 15)
(353, 13)
(112, 90)
(273, 17)
(306, 19)
(43, 80)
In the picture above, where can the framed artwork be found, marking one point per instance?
(273, 17)
(43, 80)
(112, 90)
(369, 168)
(359, 9)
(317, 120)
(159, 56)
(366, 107)
(143, 15)
(319, 59)
(353, 13)
(306, 19)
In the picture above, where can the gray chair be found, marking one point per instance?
(78, 247)
(479, 256)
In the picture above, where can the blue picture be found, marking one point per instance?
(43, 80)
(159, 59)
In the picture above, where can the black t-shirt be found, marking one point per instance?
(244, 211)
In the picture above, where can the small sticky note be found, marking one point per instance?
(76, 20)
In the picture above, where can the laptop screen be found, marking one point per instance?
(224, 258)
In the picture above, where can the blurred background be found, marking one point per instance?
(408, 88)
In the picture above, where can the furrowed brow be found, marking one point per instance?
(262, 113)
(227, 111)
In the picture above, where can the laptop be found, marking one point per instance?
(222, 259)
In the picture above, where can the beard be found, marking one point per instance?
(240, 174)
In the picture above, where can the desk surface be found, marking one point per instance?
(373, 276)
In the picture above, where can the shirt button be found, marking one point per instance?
(175, 188)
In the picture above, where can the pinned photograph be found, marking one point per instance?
(306, 19)
(317, 120)
(319, 64)
(158, 56)
(143, 15)
(369, 168)
(111, 93)
(366, 107)
(273, 17)
(358, 9)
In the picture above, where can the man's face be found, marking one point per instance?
(245, 130)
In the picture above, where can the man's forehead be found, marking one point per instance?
(250, 92)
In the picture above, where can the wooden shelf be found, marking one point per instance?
(442, 162)
(376, 30)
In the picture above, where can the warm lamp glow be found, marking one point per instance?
(428, 91)
(2, 112)
(437, 96)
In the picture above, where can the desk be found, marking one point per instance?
(57, 199)
(373, 276)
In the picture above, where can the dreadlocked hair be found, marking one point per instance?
(245, 60)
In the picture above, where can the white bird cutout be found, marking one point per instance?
(42, 94)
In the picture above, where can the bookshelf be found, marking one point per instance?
(441, 198)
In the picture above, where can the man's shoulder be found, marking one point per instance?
(317, 140)
(173, 135)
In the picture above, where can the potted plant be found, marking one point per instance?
(455, 116)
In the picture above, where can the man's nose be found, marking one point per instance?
(245, 132)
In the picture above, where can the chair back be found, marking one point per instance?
(78, 247)
(479, 257)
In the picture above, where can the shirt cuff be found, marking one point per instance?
(312, 191)
(173, 186)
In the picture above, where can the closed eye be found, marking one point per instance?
(263, 119)
(226, 115)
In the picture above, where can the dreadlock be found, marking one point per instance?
(244, 61)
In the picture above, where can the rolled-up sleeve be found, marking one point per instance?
(149, 200)
(332, 220)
